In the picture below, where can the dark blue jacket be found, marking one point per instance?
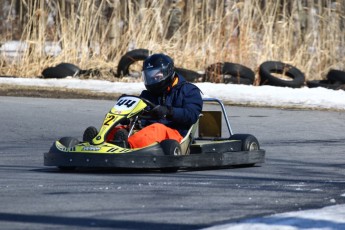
(185, 100)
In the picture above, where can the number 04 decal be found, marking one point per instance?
(126, 103)
(109, 119)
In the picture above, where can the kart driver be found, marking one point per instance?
(178, 103)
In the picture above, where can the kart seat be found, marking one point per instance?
(188, 139)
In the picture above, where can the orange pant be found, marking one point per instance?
(153, 133)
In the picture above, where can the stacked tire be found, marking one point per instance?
(280, 74)
(335, 79)
(129, 58)
(227, 72)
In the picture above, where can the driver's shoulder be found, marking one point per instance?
(189, 88)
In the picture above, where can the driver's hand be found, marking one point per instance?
(161, 111)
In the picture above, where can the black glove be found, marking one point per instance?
(161, 111)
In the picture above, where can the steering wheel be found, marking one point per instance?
(150, 103)
(146, 114)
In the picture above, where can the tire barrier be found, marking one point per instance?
(324, 83)
(336, 76)
(227, 72)
(294, 78)
(61, 70)
(140, 55)
(189, 75)
(128, 59)
(273, 73)
(335, 79)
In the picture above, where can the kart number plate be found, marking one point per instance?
(126, 103)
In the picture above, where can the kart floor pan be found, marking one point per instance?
(155, 162)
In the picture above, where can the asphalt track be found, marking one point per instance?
(304, 169)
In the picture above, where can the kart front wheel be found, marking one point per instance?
(171, 148)
(89, 133)
(68, 142)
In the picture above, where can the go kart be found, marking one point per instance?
(206, 144)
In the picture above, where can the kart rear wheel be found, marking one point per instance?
(89, 133)
(249, 143)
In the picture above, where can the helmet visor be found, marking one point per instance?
(154, 75)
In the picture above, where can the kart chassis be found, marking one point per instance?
(204, 151)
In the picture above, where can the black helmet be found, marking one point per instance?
(158, 73)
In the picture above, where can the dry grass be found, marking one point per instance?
(96, 33)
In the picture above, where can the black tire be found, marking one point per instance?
(128, 59)
(189, 75)
(62, 70)
(121, 138)
(213, 72)
(249, 142)
(90, 133)
(121, 135)
(240, 73)
(266, 68)
(171, 148)
(69, 142)
(230, 73)
(324, 84)
(73, 69)
(336, 76)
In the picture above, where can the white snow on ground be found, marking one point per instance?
(332, 217)
(312, 98)
(328, 218)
